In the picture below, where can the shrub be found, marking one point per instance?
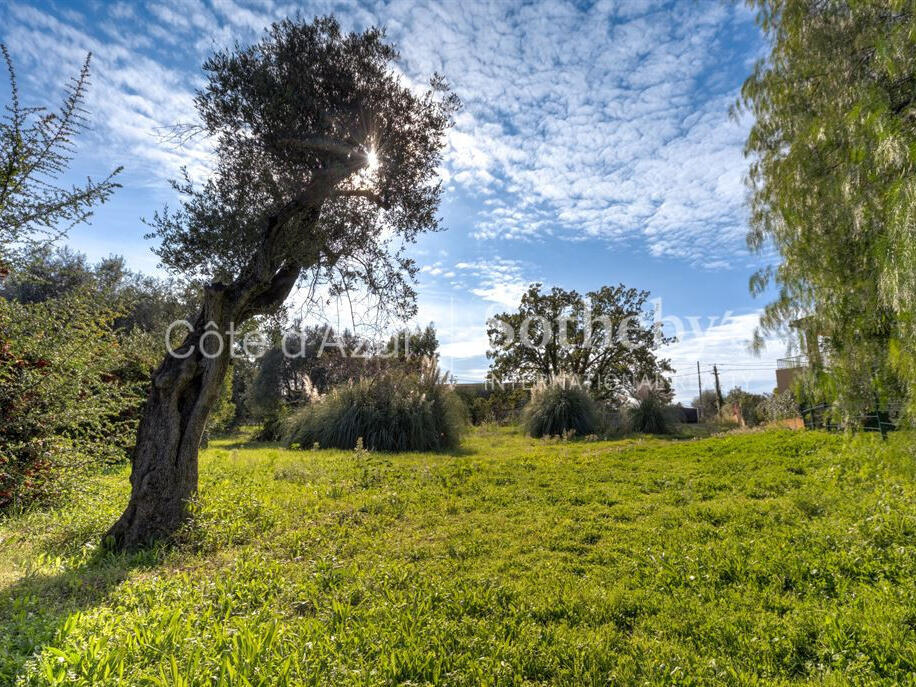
(500, 405)
(779, 406)
(748, 403)
(273, 426)
(558, 408)
(394, 411)
(650, 416)
(612, 421)
(69, 394)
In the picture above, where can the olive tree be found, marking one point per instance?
(325, 167)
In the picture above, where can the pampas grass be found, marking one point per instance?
(394, 411)
(650, 416)
(558, 408)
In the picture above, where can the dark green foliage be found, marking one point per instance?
(273, 426)
(141, 304)
(414, 344)
(223, 412)
(47, 273)
(604, 339)
(560, 408)
(280, 381)
(243, 375)
(502, 405)
(76, 342)
(749, 404)
(650, 416)
(394, 411)
(69, 393)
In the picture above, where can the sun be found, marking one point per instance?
(371, 160)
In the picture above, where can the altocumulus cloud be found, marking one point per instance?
(605, 121)
(608, 122)
(602, 122)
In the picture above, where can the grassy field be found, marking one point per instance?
(758, 558)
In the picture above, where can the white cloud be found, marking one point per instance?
(610, 122)
(132, 97)
(721, 341)
(496, 280)
(606, 122)
(467, 348)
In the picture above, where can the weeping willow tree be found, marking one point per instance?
(833, 189)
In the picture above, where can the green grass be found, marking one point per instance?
(755, 558)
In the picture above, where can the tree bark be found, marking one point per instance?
(185, 386)
(164, 464)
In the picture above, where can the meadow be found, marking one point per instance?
(770, 557)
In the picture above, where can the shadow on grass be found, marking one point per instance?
(236, 443)
(36, 607)
(244, 438)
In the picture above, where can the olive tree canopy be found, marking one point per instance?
(326, 164)
(311, 112)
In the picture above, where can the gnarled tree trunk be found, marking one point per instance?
(187, 383)
(164, 465)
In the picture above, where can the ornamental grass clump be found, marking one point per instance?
(393, 411)
(559, 409)
(650, 416)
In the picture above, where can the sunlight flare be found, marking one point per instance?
(372, 161)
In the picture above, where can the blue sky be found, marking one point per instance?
(594, 147)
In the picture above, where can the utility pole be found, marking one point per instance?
(719, 401)
(700, 389)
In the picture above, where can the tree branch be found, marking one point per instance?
(324, 144)
(363, 193)
(278, 289)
